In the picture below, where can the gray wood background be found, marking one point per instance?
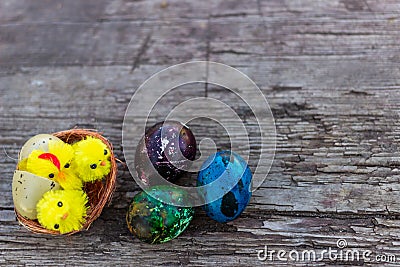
(329, 69)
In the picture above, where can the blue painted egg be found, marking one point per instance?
(220, 172)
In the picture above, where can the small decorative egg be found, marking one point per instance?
(154, 221)
(169, 155)
(40, 141)
(226, 169)
(27, 190)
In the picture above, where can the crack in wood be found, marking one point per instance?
(141, 52)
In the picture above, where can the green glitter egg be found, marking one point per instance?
(151, 217)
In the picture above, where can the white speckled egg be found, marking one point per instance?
(27, 190)
(40, 141)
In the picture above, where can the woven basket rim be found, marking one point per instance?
(104, 194)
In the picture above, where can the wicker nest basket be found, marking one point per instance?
(99, 192)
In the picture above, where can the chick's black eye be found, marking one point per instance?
(105, 152)
(93, 166)
(60, 204)
(56, 226)
(51, 175)
(66, 166)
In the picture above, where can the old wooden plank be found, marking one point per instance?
(100, 44)
(202, 243)
(107, 33)
(120, 10)
(328, 69)
(300, 124)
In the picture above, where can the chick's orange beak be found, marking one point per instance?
(103, 163)
(65, 216)
(61, 176)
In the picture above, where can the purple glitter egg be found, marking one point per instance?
(168, 155)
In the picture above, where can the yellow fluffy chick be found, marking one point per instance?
(62, 210)
(92, 159)
(55, 165)
(22, 165)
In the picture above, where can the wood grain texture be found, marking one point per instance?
(329, 70)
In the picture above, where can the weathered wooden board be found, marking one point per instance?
(329, 70)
